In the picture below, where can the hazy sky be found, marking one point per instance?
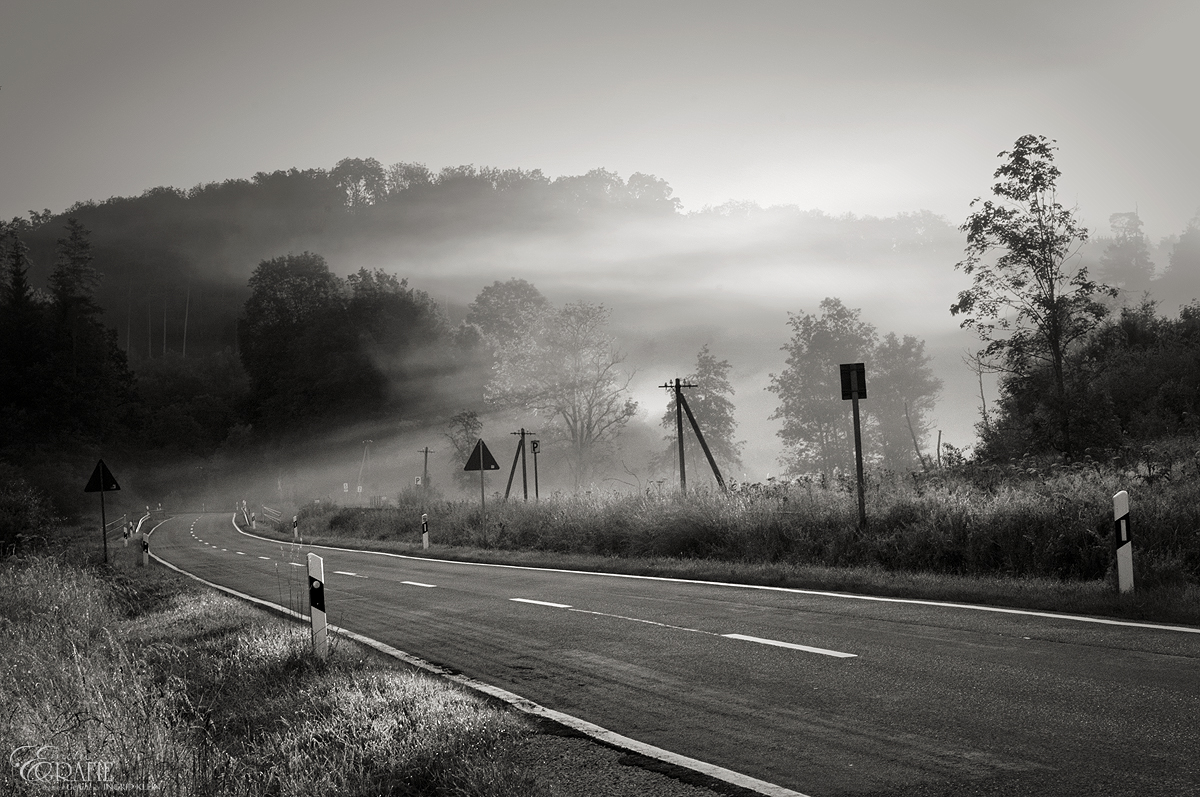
(870, 107)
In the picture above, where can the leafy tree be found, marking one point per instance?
(815, 431)
(568, 370)
(300, 351)
(1182, 277)
(192, 405)
(503, 311)
(709, 402)
(463, 430)
(1028, 304)
(903, 393)
(1126, 258)
(364, 182)
(316, 346)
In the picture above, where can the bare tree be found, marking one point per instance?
(567, 369)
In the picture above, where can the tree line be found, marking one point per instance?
(307, 349)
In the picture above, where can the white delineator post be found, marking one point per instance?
(295, 527)
(1123, 541)
(425, 530)
(316, 603)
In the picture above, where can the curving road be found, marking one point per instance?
(822, 693)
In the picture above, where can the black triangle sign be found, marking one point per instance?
(102, 480)
(481, 458)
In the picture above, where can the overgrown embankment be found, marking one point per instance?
(1030, 536)
(135, 681)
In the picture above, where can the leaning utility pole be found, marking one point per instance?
(520, 454)
(681, 406)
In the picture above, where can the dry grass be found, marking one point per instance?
(1034, 536)
(176, 690)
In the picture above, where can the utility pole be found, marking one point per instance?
(362, 466)
(681, 406)
(425, 471)
(678, 388)
(520, 454)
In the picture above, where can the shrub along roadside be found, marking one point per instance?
(1026, 537)
(171, 689)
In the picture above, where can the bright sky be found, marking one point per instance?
(868, 106)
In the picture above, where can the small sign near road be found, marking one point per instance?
(102, 482)
(481, 458)
(850, 384)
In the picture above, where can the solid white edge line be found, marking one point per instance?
(792, 645)
(521, 704)
(541, 603)
(793, 590)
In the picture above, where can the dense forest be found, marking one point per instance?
(238, 316)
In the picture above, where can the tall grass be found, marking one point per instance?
(1044, 523)
(1054, 525)
(168, 689)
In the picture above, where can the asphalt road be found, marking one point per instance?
(824, 694)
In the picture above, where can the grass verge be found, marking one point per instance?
(136, 681)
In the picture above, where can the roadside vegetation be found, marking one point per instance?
(154, 685)
(1037, 534)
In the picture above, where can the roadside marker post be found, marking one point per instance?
(145, 552)
(425, 531)
(316, 604)
(295, 527)
(1123, 542)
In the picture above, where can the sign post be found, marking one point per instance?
(102, 481)
(854, 387)
(316, 604)
(481, 460)
(1123, 542)
(535, 446)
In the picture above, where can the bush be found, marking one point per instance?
(25, 513)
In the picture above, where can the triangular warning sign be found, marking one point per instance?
(102, 480)
(481, 458)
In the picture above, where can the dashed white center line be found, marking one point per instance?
(647, 622)
(542, 603)
(348, 573)
(791, 645)
(417, 584)
(742, 637)
(239, 553)
(265, 557)
(295, 564)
